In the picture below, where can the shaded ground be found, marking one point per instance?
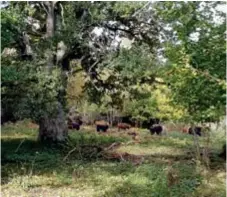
(167, 167)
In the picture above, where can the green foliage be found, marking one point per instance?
(135, 64)
(190, 85)
(11, 25)
(142, 109)
(126, 9)
(129, 75)
(203, 98)
(196, 65)
(44, 94)
(156, 103)
(27, 91)
(74, 22)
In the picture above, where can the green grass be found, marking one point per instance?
(37, 170)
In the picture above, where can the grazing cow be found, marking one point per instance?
(77, 123)
(124, 119)
(185, 130)
(197, 130)
(123, 126)
(148, 123)
(156, 128)
(75, 126)
(101, 125)
(74, 122)
(189, 130)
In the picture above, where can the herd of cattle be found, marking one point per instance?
(153, 125)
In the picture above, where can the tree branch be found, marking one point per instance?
(93, 65)
(76, 71)
(118, 28)
(139, 10)
(62, 14)
(42, 4)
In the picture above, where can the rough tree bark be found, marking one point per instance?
(52, 129)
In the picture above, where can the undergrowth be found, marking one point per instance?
(33, 169)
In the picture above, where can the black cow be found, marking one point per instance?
(125, 120)
(150, 122)
(74, 121)
(101, 126)
(128, 120)
(76, 126)
(77, 122)
(197, 130)
(156, 129)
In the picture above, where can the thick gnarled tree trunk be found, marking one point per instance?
(52, 129)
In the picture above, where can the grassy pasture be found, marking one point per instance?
(168, 168)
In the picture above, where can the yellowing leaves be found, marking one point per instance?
(165, 109)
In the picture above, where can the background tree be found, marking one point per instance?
(194, 46)
(58, 32)
(60, 41)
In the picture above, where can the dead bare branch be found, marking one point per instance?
(20, 145)
(69, 153)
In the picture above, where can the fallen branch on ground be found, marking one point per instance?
(69, 153)
(20, 145)
(135, 159)
(99, 149)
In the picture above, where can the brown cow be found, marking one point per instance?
(123, 126)
(185, 130)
